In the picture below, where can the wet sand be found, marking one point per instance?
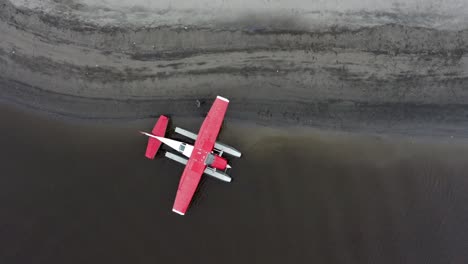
(397, 73)
(85, 193)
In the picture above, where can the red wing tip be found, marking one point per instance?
(149, 157)
(178, 212)
(222, 98)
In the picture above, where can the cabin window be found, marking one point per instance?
(182, 147)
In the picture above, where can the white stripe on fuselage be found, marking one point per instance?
(173, 144)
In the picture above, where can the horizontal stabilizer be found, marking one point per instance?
(158, 130)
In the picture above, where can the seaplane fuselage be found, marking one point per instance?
(213, 160)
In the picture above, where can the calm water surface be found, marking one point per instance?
(81, 193)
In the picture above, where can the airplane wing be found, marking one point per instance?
(196, 163)
(188, 183)
(210, 128)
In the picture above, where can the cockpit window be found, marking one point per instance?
(209, 159)
(182, 147)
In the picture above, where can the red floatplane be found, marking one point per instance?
(204, 157)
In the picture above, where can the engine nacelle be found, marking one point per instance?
(216, 162)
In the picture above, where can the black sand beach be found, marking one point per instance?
(395, 77)
(352, 126)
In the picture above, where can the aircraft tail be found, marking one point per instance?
(158, 130)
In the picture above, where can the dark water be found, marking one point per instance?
(85, 194)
